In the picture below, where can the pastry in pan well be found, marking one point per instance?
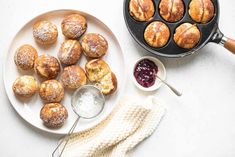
(51, 91)
(94, 45)
(73, 77)
(53, 115)
(171, 10)
(141, 10)
(74, 26)
(25, 57)
(187, 35)
(157, 34)
(201, 11)
(47, 67)
(45, 32)
(70, 52)
(25, 86)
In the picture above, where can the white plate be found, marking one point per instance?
(29, 110)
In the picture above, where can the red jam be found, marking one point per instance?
(145, 73)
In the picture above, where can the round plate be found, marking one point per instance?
(29, 109)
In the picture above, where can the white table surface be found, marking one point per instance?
(200, 123)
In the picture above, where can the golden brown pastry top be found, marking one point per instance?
(47, 67)
(51, 91)
(73, 77)
(45, 32)
(187, 36)
(70, 52)
(94, 45)
(171, 10)
(157, 34)
(73, 26)
(141, 10)
(25, 86)
(53, 115)
(96, 69)
(25, 57)
(201, 11)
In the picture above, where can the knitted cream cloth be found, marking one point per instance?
(129, 124)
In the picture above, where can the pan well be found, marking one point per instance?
(171, 49)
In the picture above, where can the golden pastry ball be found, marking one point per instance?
(74, 26)
(51, 91)
(53, 115)
(73, 77)
(25, 57)
(141, 10)
(70, 52)
(45, 32)
(94, 45)
(171, 10)
(201, 11)
(157, 34)
(47, 67)
(96, 69)
(187, 36)
(25, 86)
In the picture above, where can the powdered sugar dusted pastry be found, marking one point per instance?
(51, 91)
(47, 67)
(25, 56)
(70, 52)
(94, 45)
(25, 86)
(45, 32)
(73, 77)
(53, 115)
(73, 26)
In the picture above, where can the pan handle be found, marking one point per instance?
(229, 44)
(224, 41)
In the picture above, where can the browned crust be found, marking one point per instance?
(70, 52)
(141, 10)
(73, 77)
(201, 11)
(45, 32)
(47, 67)
(187, 36)
(25, 57)
(51, 91)
(157, 34)
(53, 115)
(74, 26)
(173, 12)
(94, 45)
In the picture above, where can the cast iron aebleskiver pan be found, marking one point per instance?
(209, 32)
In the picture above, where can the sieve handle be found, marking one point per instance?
(229, 44)
(65, 139)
